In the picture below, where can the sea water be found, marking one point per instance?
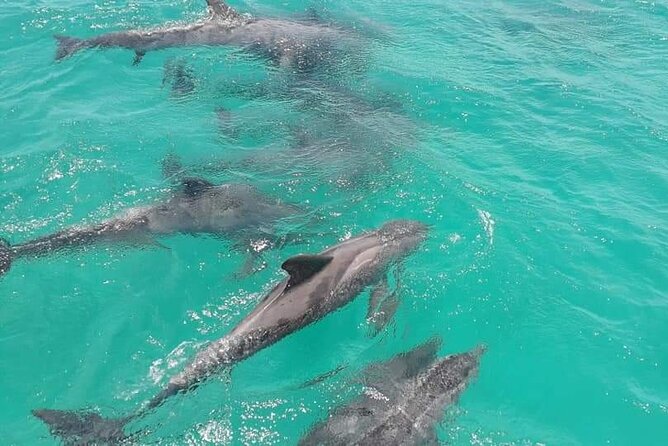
(531, 136)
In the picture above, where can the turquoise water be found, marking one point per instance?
(531, 136)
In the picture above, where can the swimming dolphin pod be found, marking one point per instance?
(317, 284)
(402, 401)
(402, 398)
(300, 44)
(197, 206)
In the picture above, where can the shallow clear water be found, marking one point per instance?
(532, 137)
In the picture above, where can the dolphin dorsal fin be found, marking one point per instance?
(220, 9)
(193, 187)
(303, 267)
(387, 376)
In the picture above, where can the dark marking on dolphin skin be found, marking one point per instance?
(402, 402)
(297, 44)
(238, 211)
(317, 285)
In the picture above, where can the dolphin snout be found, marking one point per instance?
(464, 366)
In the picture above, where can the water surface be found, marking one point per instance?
(532, 137)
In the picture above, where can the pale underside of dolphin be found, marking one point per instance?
(300, 44)
(236, 211)
(317, 285)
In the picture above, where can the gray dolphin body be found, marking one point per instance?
(300, 44)
(403, 400)
(317, 285)
(336, 135)
(234, 210)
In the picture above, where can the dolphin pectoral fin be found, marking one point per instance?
(146, 239)
(248, 268)
(303, 267)
(180, 77)
(139, 55)
(77, 427)
(220, 9)
(323, 377)
(172, 167)
(156, 244)
(250, 265)
(294, 238)
(384, 313)
(383, 304)
(226, 125)
(378, 293)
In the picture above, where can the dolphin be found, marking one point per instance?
(335, 134)
(317, 284)
(300, 44)
(196, 207)
(402, 401)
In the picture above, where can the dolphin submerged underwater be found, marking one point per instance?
(317, 285)
(197, 207)
(340, 137)
(300, 44)
(402, 402)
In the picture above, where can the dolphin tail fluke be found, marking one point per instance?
(81, 427)
(67, 46)
(5, 256)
